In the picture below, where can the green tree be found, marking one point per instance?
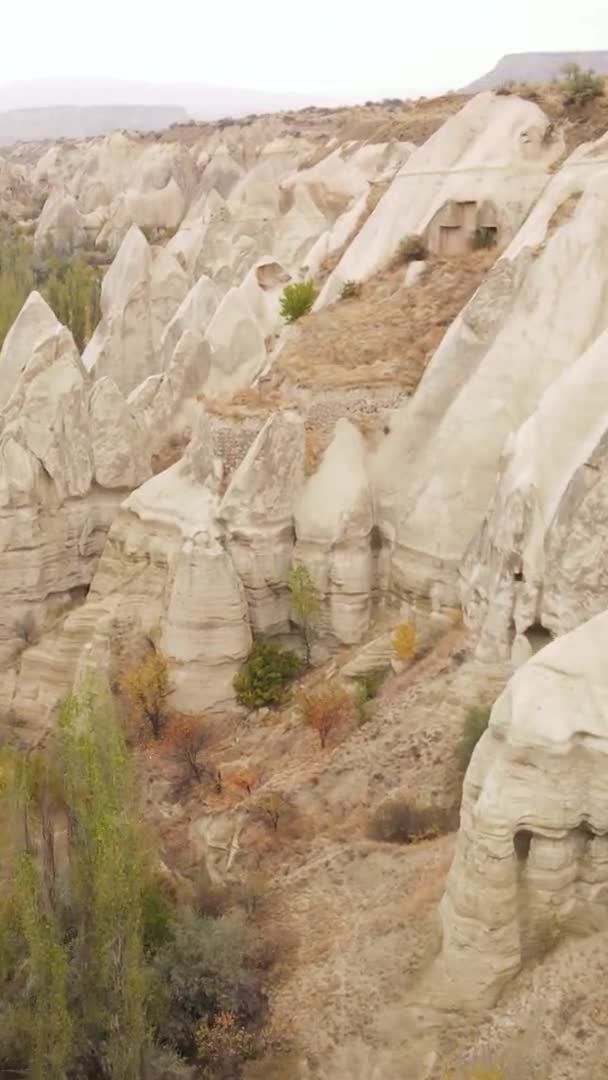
(87, 934)
(306, 606)
(16, 276)
(107, 879)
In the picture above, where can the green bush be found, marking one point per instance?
(200, 974)
(411, 249)
(366, 689)
(483, 237)
(400, 821)
(265, 674)
(474, 725)
(350, 290)
(297, 299)
(578, 86)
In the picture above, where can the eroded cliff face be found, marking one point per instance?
(531, 857)
(469, 485)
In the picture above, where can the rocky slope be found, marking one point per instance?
(429, 447)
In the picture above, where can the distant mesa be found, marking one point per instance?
(81, 122)
(536, 67)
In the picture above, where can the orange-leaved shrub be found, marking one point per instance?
(325, 709)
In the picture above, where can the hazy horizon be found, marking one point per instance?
(333, 48)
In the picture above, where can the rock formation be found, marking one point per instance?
(485, 166)
(141, 292)
(532, 853)
(68, 451)
(334, 522)
(257, 512)
(544, 302)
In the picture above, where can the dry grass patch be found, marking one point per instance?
(387, 336)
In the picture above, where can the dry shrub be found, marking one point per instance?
(245, 780)
(326, 709)
(211, 898)
(253, 891)
(404, 641)
(147, 687)
(223, 1045)
(184, 737)
(350, 290)
(271, 808)
(411, 249)
(400, 820)
(273, 947)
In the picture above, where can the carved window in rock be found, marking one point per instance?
(522, 842)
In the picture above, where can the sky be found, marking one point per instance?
(296, 45)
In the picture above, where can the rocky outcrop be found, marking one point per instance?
(164, 575)
(544, 303)
(141, 292)
(68, 451)
(334, 523)
(257, 512)
(118, 181)
(243, 329)
(539, 558)
(489, 162)
(194, 313)
(531, 860)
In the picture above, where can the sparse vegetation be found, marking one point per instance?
(350, 290)
(578, 86)
(475, 723)
(297, 299)
(306, 605)
(484, 237)
(147, 687)
(366, 689)
(185, 738)
(157, 234)
(245, 780)
(270, 807)
(401, 820)
(411, 249)
(265, 675)
(325, 709)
